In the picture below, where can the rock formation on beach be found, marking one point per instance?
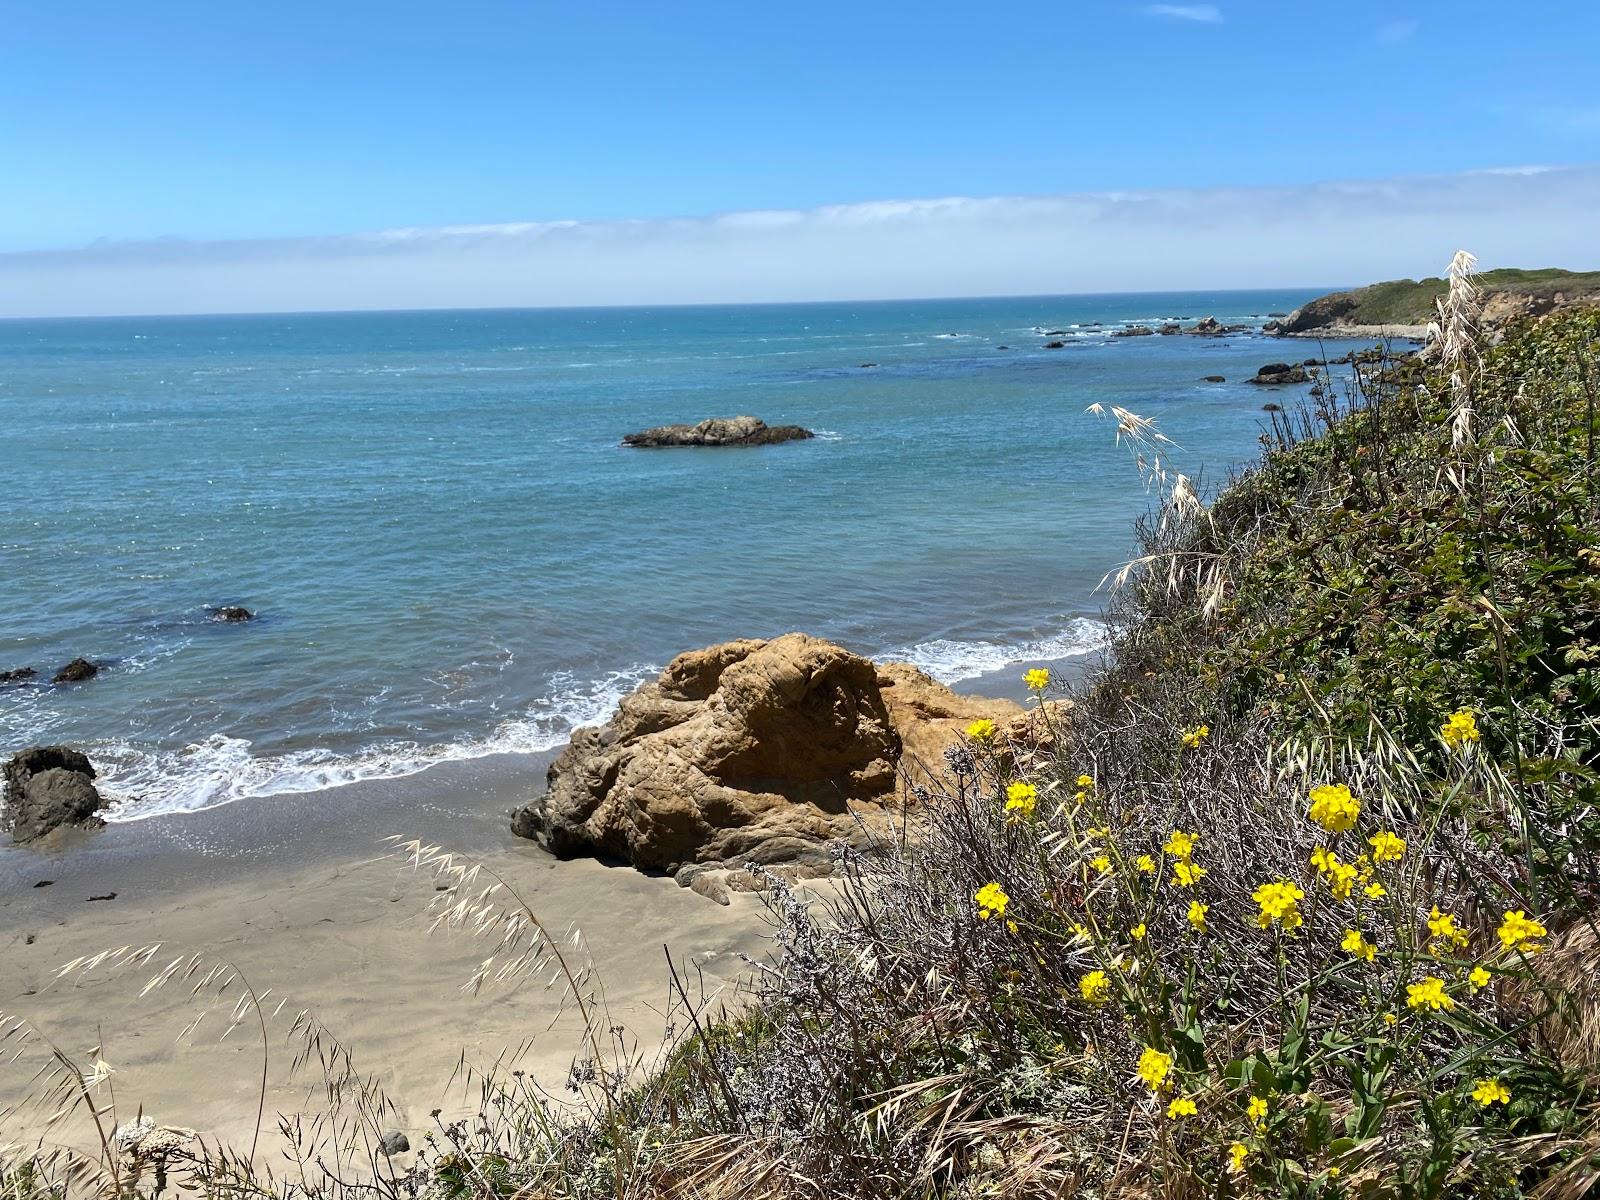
(719, 431)
(752, 750)
(47, 787)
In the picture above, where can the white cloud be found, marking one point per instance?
(1395, 33)
(1303, 235)
(1210, 14)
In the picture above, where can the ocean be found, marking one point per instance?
(451, 556)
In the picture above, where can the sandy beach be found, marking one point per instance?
(299, 893)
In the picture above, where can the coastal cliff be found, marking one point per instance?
(1402, 308)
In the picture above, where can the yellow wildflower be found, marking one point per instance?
(1323, 860)
(1459, 729)
(1137, 932)
(1374, 891)
(1518, 930)
(981, 730)
(1037, 679)
(1479, 978)
(1256, 1110)
(1084, 781)
(1279, 901)
(1237, 1153)
(1341, 878)
(1387, 846)
(1197, 915)
(1186, 874)
(1192, 738)
(1181, 1107)
(1490, 1091)
(1180, 844)
(1443, 926)
(1021, 798)
(1145, 864)
(1101, 863)
(1154, 1067)
(1334, 808)
(1355, 943)
(1080, 930)
(1094, 987)
(1390, 1020)
(1429, 993)
(991, 900)
(1079, 797)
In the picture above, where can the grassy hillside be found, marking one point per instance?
(1411, 301)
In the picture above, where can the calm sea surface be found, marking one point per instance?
(451, 555)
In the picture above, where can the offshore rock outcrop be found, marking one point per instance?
(719, 431)
(762, 751)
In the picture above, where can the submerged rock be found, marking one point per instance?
(76, 671)
(1213, 379)
(752, 751)
(1135, 331)
(18, 675)
(47, 787)
(232, 613)
(719, 431)
(1055, 345)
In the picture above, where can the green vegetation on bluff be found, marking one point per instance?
(1410, 302)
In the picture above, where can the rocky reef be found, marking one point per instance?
(719, 431)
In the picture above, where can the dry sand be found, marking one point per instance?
(299, 893)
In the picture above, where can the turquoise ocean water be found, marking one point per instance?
(451, 556)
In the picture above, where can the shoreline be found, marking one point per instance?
(301, 892)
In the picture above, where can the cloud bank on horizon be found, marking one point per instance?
(1170, 239)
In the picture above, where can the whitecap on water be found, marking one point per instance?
(950, 660)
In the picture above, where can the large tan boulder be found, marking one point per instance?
(750, 751)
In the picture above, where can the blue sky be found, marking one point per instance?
(287, 120)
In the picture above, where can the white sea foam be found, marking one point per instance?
(949, 660)
(828, 435)
(223, 769)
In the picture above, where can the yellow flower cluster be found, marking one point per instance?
(1517, 931)
(1442, 926)
(1182, 1106)
(1154, 1067)
(1429, 993)
(1145, 865)
(1185, 871)
(1021, 799)
(991, 900)
(1095, 987)
(982, 730)
(1085, 786)
(1491, 1091)
(1237, 1153)
(1257, 1110)
(1037, 679)
(1280, 902)
(1459, 730)
(1197, 915)
(1334, 808)
(1191, 738)
(1387, 847)
(1355, 942)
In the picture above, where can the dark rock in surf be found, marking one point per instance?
(232, 613)
(47, 787)
(20, 675)
(76, 671)
(1270, 407)
(1280, 374)
(1055, 345)
(1135, 331)
(719, 431)
(1214, 379)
